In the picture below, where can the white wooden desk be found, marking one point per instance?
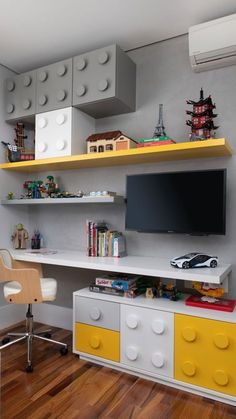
(141, 265)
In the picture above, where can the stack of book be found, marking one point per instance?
(119, 284)
(145, 142)
(103, 242)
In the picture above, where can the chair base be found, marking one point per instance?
(29, 335)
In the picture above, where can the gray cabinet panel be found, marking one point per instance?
(104, 82)
(54, 86)
(20, 92)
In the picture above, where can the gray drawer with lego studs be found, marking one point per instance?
(54, 86)
(98, 313)
(104, 82)
(20, 96)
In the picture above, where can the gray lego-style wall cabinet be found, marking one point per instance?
(100, 83)
(20, 96)
(54, 86)
(104, 82)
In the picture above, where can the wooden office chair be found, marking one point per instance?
(25, 285)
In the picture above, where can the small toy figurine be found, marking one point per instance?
(36, 240)
(202, 118)
(10, 196)
(149, 293)
(20, 237)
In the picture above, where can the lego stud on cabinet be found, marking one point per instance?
(62, 133)
(104, 82)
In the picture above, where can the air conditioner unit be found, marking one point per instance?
(213, 44)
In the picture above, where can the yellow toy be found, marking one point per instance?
(208, 290)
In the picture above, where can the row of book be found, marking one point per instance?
(103, 242)
(121, 285)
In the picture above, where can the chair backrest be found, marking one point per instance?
(28, 278)
(6, 256)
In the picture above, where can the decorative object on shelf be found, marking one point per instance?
(159, 135)
(103, 242)
(202, 116)
(101, 193)
(194, 260)
(161, 290)
(20, 237)
(17, 152)
(122, 285)
(210, 297)
(10, 196)
(212, 303)
(109, 141)
(37, 189)
(36, 240)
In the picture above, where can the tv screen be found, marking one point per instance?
(190, 202)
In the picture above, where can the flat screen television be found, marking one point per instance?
(191, 202)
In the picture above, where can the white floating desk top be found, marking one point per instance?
(142, 265)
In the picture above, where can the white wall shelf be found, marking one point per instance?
(52, 201)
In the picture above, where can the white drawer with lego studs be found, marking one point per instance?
(98, 313)
(147, 339)
(62, 132)
(54, 86)
(20, 95)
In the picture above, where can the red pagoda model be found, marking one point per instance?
(202, 118)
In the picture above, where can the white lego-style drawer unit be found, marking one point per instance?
(159, 339)
(62, 133)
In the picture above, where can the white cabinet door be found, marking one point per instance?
(147, 339)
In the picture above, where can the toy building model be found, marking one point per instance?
(202, 118)
(109, 141)
(159, 135)
(18, 151)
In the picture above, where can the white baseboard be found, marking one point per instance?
(11, 314)
(44, 313)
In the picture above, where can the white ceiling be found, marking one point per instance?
(38, 32)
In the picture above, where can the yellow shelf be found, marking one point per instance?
(179, 151)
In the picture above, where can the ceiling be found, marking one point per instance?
(38, 32)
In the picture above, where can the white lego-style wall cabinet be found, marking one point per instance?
(62, 133)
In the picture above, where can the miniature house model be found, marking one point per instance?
(109, 141)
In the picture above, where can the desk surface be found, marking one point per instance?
(142, 265)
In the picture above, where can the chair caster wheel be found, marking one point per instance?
(5, 341)
(29, 368)
(48, 335)
(64, 351)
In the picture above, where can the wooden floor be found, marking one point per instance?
(67, 387)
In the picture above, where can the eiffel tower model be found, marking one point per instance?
(160, 129)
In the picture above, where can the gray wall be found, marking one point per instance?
(164, 76)
(8, 181)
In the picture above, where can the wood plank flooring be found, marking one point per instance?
(67, 387)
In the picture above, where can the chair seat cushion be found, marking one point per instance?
(48, 287)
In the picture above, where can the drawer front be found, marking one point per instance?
(205, 353)
(97, 313)
(147, 339)
(97, 341)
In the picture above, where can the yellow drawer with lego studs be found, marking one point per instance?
(205, 353)
(97, 341)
